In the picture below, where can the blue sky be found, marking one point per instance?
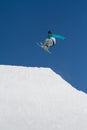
(25, 22)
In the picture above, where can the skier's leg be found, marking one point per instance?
(49, 42)
(46, 43)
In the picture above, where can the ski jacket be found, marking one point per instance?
(56, 36)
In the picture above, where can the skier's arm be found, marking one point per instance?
(58, 36)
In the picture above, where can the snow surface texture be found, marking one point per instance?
(39, 99)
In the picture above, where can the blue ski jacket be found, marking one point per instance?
(55, 36)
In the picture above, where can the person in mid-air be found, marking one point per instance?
(51, 39)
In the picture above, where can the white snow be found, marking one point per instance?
(39, 99)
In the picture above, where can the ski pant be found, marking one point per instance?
(50, 42)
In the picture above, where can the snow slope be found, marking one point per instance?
(39, 99)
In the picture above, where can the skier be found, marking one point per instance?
(51, 39)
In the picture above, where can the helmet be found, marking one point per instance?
(49, 32)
